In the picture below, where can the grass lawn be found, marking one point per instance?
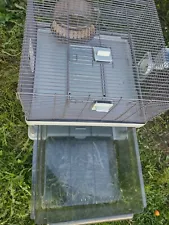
(16, 148)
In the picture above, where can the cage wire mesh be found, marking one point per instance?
(61, 78)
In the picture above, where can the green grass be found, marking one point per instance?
(16, 148)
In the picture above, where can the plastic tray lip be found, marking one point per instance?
(83, 123)
(139, 168)
(98, 220)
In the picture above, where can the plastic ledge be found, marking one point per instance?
(76, 123)
(99, 220)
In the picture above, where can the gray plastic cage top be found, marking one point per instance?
(93, 60)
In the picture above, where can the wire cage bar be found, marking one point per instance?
(64, 72)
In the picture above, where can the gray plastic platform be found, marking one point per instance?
(72, 69)
(83, 172)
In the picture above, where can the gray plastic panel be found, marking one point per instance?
(80, 131)
(71, 131)
(85, 76)
(79, 165)
(50, 77)
(71, 69)
(84, 72)
(102, 131)
(57, 131)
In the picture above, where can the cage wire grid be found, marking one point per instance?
(59, 78)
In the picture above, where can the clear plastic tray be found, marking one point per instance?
(88, 179)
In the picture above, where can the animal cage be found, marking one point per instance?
(91, 72)
(98, 61)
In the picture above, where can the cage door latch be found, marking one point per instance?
(100, 106)
(102, 54)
